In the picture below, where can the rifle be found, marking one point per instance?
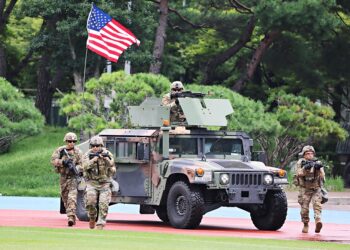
(99, 154)
(68, 163)
(311, 164)
(186, 94)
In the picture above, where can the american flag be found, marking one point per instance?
(106, 36)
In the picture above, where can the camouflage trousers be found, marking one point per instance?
(69, 193)
(304, 198)
(101, 194)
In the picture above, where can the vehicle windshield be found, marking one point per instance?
(183, 146)
(223, 146)
(213, 147)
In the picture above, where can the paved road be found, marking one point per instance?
(229, 222)
(52, 204)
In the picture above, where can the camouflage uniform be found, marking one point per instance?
(176, 113)
(68, 181)
(309, 182)
(98, 176)
(310, 190)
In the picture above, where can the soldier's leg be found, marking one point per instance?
(104, 200)
(72, 197)
(317, 206)
(72, 201)
(304, 199)
(90, 204)
(64, 191)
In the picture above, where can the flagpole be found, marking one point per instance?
(83, 98)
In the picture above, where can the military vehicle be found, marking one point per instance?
(182, 170)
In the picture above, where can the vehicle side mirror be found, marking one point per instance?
(143, 151)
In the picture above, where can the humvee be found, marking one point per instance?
(182, 170)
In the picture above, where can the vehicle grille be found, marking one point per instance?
(246, 179)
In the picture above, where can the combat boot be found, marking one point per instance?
(305, 228)
(318, 226)
(92, 223)
(100, 227)
(71, 220)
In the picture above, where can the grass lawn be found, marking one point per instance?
(26, 169)
(43, 238)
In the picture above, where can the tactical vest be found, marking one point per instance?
(312, 178)
(99, 171)
(64, 170)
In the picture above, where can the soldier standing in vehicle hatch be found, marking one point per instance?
(176, 113)
(64, 159)
(99, 169)
(309, 177)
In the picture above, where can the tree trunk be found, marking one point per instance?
(256, 59)
(78, 81)
(44, 90)
(3, 63)
(230, 52)
(160, 38)
(77, 76)
(337, 102)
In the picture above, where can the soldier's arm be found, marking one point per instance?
(79, 160)
(109, 160)
(322, 175)
(300, 171)
(166, 101)
(87, 163)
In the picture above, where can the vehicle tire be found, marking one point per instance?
(81, 211)
(162, 214)
(346, 175)
(185, 205)
(272, 214)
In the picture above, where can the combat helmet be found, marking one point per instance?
(70, 136)
(96, 140)
(176, 85)
(306, 149)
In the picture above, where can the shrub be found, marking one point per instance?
(18, 116)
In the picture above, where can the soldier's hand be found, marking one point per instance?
(95, 159)
(318, 165)
(57, 162)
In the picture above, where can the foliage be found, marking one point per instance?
(88, 111)
(31, 158)
(248, 116)
(303, 121)
(18, 116)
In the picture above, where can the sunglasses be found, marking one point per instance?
(176, 89)
(95, 145)
(70, 141)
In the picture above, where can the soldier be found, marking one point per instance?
(98, 171)
(176, 113)
(67, 161)
(309, 177)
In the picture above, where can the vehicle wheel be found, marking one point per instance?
(162, 213)
(272, 214)
(347, 176)
(81, 211)
(185, 205)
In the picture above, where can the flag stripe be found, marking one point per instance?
(104, 45)
(106, 36)
(110, 42)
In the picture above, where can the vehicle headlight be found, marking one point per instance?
(224, 179)
(268, 179)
